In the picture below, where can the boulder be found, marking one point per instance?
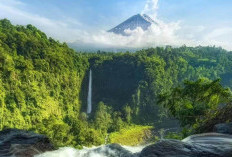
(224, 128)
(20, 143)
(203, 145)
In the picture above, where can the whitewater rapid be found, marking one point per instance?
(101, 151)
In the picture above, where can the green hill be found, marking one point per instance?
(43, 84)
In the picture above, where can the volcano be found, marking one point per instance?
(140, 20)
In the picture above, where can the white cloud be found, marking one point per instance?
(164, 34)
(59, 29)
(175, 33)
(157, 35)
(219, 37)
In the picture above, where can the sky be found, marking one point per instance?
(84, 22)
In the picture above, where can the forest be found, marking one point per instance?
(44, 86)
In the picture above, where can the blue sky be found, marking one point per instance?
(100, 14)
(73, 20)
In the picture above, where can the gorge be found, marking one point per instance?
(50, 89)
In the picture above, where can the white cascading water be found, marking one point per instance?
(89, 98)
(208, 142)
(89, 152)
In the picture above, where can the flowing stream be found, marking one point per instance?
(113, 150)
(89, 98)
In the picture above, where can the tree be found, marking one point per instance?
(127, 112)
(192, 101)
(118, 123)
(102, 118)
(56, 130)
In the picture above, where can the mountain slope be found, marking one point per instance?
(143, 21)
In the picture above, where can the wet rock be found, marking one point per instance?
(203, 145)
(224, 128)
(20, 143)
(113, 150)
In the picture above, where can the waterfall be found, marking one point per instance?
(89, 98)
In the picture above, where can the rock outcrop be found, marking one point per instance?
(223, 128)
(20, 143)
(202, 145)
(112, 150)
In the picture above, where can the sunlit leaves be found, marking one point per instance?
(193, 100)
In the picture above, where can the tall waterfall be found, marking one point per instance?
(89, 98)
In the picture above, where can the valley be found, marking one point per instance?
(78, 99)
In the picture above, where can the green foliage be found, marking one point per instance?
(174, 135)
(223, 115)
(194, 100)
(43, 84)
(102, 118)
(40, 83)
(136, 79)
(127, 112)
(56, 130)
(132, 135)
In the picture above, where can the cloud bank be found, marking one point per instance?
(157, 35)
(175, 33)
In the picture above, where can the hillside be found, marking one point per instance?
(44, 84)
